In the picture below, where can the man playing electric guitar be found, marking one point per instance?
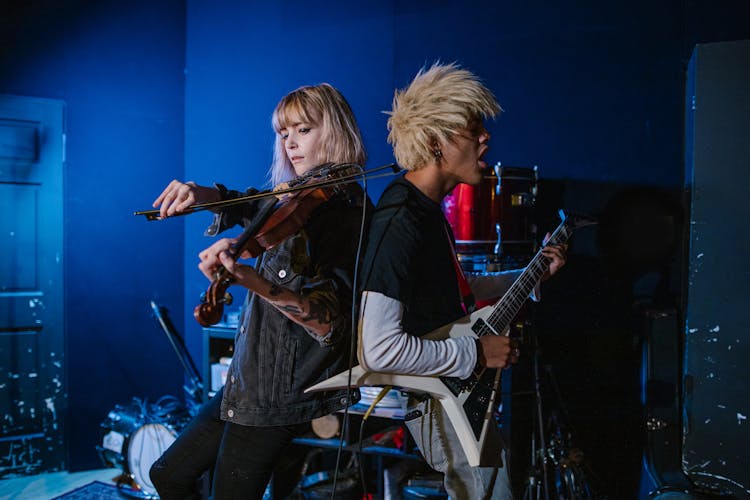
(411, 279)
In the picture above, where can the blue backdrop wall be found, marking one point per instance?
(119, 69)
(593, 94)
(590, 93)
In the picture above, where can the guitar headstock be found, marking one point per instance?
(569, 222)
(575, 220)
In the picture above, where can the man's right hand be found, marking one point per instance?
(497, 351)
(178, 197)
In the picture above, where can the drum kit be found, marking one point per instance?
(493, 223)
(134, 436)
(495, 230)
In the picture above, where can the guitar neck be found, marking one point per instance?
(509, 304)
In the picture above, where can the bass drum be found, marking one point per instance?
(134, 445)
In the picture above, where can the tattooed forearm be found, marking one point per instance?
(285, 300)
(315, 312)
(292, 309)
(318, 312)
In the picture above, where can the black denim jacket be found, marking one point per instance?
(275, 359)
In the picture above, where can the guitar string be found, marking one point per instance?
(509, 305)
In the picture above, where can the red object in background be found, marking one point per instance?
(496, 216)
(391, 438)
(473, 212)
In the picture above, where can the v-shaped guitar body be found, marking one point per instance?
(469, 403)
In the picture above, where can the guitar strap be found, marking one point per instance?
(468, 303)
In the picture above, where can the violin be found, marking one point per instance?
(274, 223)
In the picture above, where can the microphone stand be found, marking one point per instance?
(537, 485)
(194, 388)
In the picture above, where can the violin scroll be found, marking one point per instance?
(211, 309)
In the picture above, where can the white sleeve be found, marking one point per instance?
(490, 285)
(384, 346)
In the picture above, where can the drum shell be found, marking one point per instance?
(495, 217)
(131, 443)
(145, 446)
(116, 430)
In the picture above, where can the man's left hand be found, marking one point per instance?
(558, 255)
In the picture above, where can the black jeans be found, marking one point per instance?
(243, 457)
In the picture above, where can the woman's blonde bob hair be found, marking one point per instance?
(320, 106)
(436, 104)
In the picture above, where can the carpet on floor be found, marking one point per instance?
(98, 490)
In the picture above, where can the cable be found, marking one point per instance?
(353, 343)
(375, 401)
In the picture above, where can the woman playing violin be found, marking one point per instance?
(295, 326)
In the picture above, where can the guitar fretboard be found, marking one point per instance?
(509, 304)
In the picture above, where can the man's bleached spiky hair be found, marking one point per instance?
(436, 104)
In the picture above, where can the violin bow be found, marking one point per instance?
(199, 207)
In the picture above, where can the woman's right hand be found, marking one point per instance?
(178, 197)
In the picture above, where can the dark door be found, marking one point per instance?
(32, 350)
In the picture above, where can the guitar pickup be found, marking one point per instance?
(457, 385)
(475, 408)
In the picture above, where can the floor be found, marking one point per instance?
(52, 484)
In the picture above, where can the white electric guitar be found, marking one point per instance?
(469, 402)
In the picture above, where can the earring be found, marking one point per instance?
(438, 154)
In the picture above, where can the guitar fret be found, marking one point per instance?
(509, 305)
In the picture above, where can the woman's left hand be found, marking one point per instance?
(219, 254)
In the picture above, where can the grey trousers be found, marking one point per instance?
(440, 447)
